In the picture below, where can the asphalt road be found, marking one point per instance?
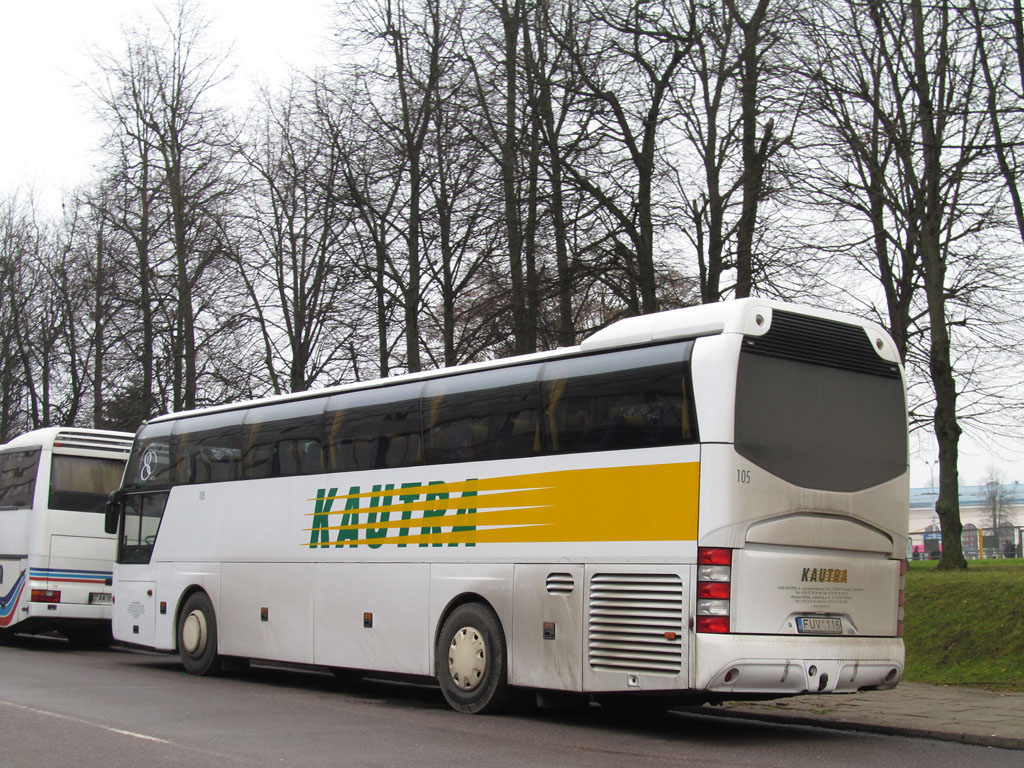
(65, 707)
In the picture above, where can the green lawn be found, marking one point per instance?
(967, 627)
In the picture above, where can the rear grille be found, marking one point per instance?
(93, 441)
(636, 622)
(820, 342)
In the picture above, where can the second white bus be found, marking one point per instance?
(56, 561)
(706, 503)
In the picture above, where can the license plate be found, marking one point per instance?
(101, 598)
(819, 625)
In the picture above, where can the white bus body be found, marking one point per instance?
(708, 502)
(56, 561)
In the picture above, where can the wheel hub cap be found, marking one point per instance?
(467, 659)
(193, 633)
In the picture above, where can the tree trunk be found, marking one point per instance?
(947, 429)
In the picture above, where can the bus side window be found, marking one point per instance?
(210, 458)
(258, 461)
(401, 436)
(482, 416)
(299, 457)
(18, 477)
(283, 439)
(374, 429)
(619, 400)
(207, 449)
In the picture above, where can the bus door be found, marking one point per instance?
(140, 514)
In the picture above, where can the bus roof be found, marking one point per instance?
(751, 317)
(73, 438)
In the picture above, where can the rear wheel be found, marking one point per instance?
(197, 636)
(471, 661)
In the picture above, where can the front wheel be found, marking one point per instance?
(471, 661)
(197, 636)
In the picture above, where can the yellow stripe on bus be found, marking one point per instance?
(651, 502)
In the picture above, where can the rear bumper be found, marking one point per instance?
(735, 665)
(68, 611)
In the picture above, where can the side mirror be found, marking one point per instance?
(113, 512)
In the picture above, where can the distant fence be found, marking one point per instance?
(978, 543)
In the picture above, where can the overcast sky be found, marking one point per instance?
(48, 139)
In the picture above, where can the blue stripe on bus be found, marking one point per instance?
(64, 575)
(42, 573)
(10, 601)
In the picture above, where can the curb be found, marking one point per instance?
(976, 739)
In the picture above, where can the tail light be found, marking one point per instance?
(900, 598)
(45, 595)
(714, 589)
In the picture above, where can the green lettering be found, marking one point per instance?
(320, 535)
(467, 510)
(427, 530)
(407, 498)
(371, 517)
(351, 517)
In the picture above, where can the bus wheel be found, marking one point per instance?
(197, 636)
(471, 661)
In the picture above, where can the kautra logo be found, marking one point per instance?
(828, 575)
(366, 517)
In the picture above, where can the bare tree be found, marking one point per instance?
(17, 238)
(997, 510)
(175, 147)
(294, 267)
(626, 60)
(734, 103)
(999, 35)
(898, 91)
(466, 239)
(502, 102)
(414, 43)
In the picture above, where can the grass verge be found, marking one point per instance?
(966, 627)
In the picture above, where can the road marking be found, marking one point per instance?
(59, 716)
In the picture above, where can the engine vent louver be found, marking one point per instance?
(560, 583)
(636, 623)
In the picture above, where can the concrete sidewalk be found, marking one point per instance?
(950, 713)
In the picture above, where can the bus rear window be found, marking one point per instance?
(816, 407)
(82, 483)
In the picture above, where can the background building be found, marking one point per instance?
(992, 516)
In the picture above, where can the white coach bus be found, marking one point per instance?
(56, 561)
(706, 503)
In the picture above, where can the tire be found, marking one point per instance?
(471, 661)
(197, 636)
